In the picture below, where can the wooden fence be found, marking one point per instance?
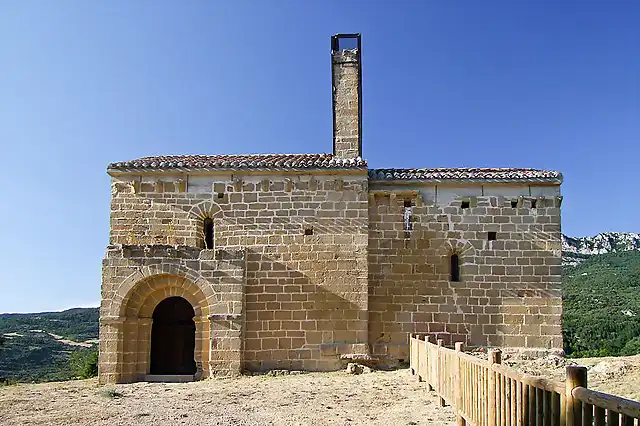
(487, 393)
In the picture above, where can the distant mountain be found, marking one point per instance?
(37, 347)
(576, 250)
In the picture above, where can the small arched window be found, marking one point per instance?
(455, 268)
(208, 233)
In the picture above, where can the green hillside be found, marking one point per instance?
(30, 353)
(602, 305)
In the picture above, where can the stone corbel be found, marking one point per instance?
(237, 184)
(288, 184)
(127, 187)
(265, 185)
(313, 184)
(339, 184)
(181, 185)
(158, 185)
(135, 186)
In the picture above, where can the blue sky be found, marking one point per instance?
(544, 84)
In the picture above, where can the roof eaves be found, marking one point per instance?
(461, 175)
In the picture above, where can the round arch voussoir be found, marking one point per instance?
(206, 209)
(147, 280)
(462, 248)
(144, 308)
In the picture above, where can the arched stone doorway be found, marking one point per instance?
(215, 311)
(136, 313)
(173, 338)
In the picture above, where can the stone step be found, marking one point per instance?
(169, 378)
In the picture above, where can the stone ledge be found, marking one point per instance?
(164, 251)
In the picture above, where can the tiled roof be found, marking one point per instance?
(328, 161)
(468, 174)
(247, 161)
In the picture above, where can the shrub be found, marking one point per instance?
(84, 363)
(7, 382)
(632, 347)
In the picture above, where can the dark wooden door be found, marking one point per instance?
(173, 337)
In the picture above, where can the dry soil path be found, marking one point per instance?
(379, 398)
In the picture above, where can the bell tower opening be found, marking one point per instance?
(173, 338)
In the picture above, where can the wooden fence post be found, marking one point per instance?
(409, 342)
(440, 373)
(495, 357)
(459, 384)
(430, 362)
(418, 355)
(576, 376)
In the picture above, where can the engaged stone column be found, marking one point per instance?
(143, 347)
(129, 349)
(110, 355)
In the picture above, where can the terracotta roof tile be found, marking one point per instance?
(246, 161)
(468, 174)
(328, 161)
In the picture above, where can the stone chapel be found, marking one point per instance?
(219, 264)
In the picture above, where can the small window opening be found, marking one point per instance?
(492, 236)
(455, 268)
(514, 204)
(407, 203)
(534, 203)
(407, 216)
(220, 194)
(465, 205)
(208, 233)
(308, 231)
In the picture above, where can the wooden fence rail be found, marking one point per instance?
(487, 393)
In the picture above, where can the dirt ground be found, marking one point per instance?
(614, 375)
(378, 398)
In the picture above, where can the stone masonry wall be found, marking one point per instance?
(305, 237)
(509, 290)
(307, 268)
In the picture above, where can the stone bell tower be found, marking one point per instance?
(346, 74)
